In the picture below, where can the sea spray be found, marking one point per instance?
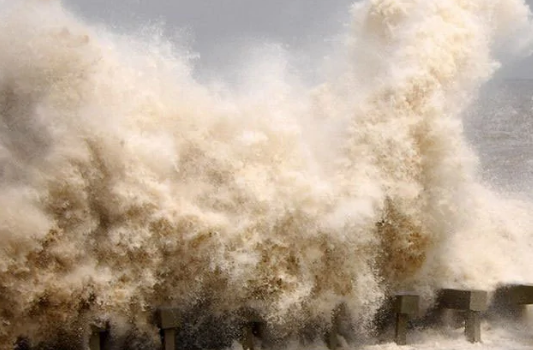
(127, 185)
(427, 61)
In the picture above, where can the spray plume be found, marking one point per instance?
(125, 184)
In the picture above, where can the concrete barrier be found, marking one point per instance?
(473, 302)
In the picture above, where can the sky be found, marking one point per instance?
(218, 29)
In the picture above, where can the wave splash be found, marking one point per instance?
(126, 184)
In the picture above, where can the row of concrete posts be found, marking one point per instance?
(472, 303)
(510, 300)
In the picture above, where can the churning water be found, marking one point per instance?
(126, 184)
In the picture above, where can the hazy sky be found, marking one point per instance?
(217, 28)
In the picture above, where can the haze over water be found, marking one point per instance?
(500, 128)
(127, 184)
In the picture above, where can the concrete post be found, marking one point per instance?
(405, 306)
(471, 301)
(339, 318)
(511, 300)
(400, 331)
(168, 322)
(332, 340)
(94, 341)
(473, 326)
(97, 337)
(247, 340)
(253, 329)
(169, 339)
